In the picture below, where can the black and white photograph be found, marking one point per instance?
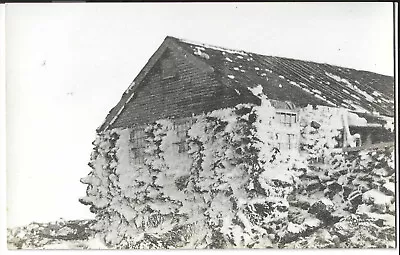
(159, 126)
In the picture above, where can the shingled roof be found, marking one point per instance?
(287, 79)
(284, 79)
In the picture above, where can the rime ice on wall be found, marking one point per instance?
(234, 189)
(319, 141)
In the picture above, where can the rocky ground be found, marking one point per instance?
(73, 234)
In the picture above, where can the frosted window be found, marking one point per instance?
(287, 119)
(286, 141)
(138, 141)
(181, 127)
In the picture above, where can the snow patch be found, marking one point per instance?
(377, 197)
(130, 87)
(214, 47)
(295, 84)
(355, 120)
(198, 51)
(317, 91)
(257, 91)
(339, 79)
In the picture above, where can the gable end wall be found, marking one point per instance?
(192, 91)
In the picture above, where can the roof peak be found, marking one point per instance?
(246, 53)
(211, 46)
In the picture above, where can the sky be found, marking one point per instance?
(67, 65)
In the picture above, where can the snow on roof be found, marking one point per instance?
(214, 47)
(355, 120)
(130, 87)
(256, 90)
(337, 78)
(284, 79)
(302, 82)
(199, 52)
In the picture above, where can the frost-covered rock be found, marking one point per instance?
(73, 234)
(323, 210)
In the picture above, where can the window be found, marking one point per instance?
(181, 127)
(358, 141)
(168, 68)
(138, 145)
(286, 141)
(277, 137)
(286, 118)
(292, 143)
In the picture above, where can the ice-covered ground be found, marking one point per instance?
(76, 234)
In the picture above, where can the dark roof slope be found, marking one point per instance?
(301, 82)
(282, 79)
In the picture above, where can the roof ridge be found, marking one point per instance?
(211, 46)
(244, 52)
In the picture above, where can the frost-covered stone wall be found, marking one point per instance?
(235, 189)
(321, 130)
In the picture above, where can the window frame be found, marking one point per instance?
(181, 126)
(138, 141)
(287, 141)
(287, 118)
(291, 141)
